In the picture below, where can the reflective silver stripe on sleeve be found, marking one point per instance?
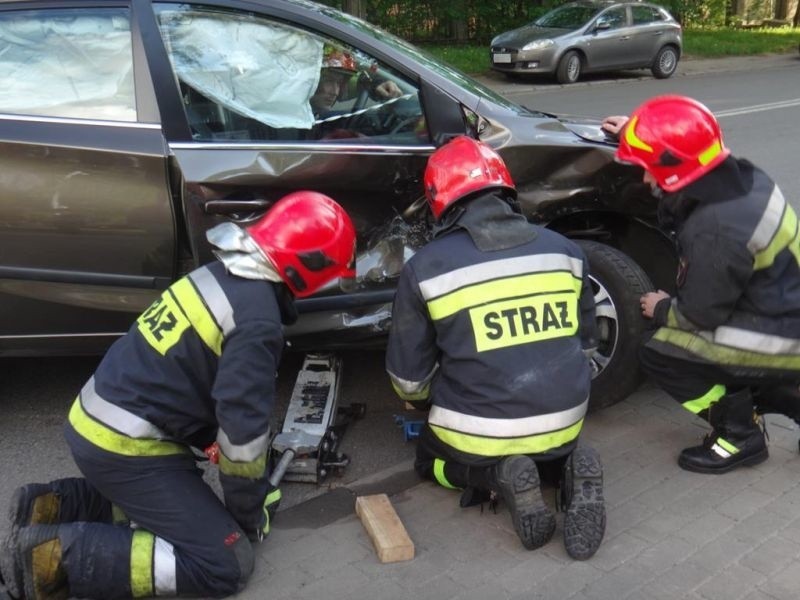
(242, 453)
(506, 428)
(115, 417)
(744, 339)
(412, 387)
(164, 569)
(497, 269)
(770, 222)
(215, 298)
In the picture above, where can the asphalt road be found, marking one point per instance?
(760, 113)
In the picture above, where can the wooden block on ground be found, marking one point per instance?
(385, 528)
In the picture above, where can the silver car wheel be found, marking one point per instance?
(667, 62)
(569, 68)
(607, 327)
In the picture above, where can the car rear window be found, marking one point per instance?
(67, 63)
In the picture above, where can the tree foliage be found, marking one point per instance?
(480, 20)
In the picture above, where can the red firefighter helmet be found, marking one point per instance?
(338, 60)
(309, 239)
(461, 167)
(676, 139)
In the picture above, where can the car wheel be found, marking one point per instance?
(618, 283)
(665, 63)
(569, 68)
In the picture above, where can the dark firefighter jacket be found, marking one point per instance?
(487, 324)
(197, 366)
(738, 287)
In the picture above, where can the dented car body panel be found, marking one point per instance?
(98, 216)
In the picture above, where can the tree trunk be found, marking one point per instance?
(458, 23)
(356, 8)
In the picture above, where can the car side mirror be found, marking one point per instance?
(602, 24)
(443, 114)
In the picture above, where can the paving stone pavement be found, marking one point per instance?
(670, 534)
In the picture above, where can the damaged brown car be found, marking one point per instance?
(128, 128)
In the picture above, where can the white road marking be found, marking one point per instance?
(757, 108)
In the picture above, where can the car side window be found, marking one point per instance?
(615, 17)
(67, 63)
(244, 77)
(642, 15)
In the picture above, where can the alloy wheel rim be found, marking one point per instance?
(607, 318)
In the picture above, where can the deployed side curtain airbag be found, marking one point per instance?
(255, 69)
(65, 63)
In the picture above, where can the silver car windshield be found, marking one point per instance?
(568, 17)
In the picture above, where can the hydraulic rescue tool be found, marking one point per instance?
(308, 443)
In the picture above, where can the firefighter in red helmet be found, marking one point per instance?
(727, 345)
(336, 74)
(197, 367)
(492, 328)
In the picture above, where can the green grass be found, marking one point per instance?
(710, 43)
(697, 43)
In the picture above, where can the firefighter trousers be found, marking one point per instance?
(454, 469)
(693, 383)
(181, 539)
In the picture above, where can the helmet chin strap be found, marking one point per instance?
(240, 254)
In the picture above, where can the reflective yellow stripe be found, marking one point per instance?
(118, 516)
(273, 497)
(142, 546)
(111, 441)
(199, 315)
(420, 395)
(633, 139)
(706, 400)
(727, 445)
(484, 446)
(499, 289)
(694, 344)
(438, 473)
(787, 236)
(709, 154)
(250, 470)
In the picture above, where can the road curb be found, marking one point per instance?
(687, 67)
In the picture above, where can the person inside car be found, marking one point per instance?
(335, 80)
(492, 326)
(728, 343)
(196, 369)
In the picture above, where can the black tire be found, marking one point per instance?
(665, 62)
(569, 67)
(618, 284)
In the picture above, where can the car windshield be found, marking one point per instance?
(571, 16)
(420, 56)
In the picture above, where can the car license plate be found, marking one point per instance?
(502, 58)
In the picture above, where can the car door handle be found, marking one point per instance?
(226, 207)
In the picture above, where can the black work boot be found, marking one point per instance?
(781, 399)
(32, 568)
(34, 504)
(10, 574)
(582, 497)
(735, 441)
(518, 483)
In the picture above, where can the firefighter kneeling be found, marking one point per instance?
(727, 345)
(491, 327)
(198, 366)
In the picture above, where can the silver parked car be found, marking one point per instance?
(591, 36)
